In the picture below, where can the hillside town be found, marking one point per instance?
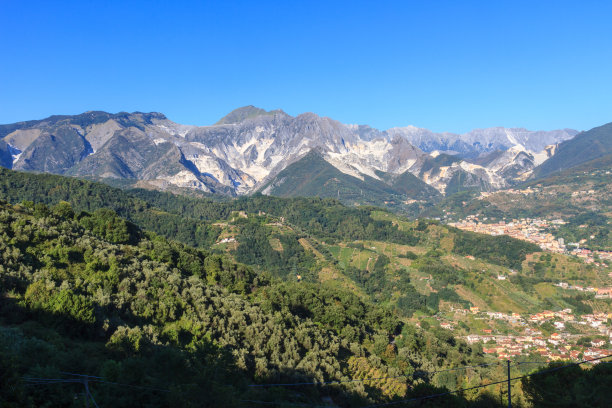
(558, 335)
(525, 229)
(593, 341)
(535, 230)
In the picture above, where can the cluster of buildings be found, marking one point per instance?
(583, 193)
(541, 317)
(534, 230)
(527, 191)
(589, 256)
(560, 345)
(528, 337)
(526, 229)
(600, 293)
(556, 347)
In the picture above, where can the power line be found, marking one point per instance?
(47, 379)
(144, 387)
(392, 377)
(80, 375)
(102, 380)
(459, 390)
(297, 404)
(51, 381)
(552, 361)
(461, 368)
(83, 379)
(485, 385)
(367, 379)
(32, 383)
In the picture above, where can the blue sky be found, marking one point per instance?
(443, 65)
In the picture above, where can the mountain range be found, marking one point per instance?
(252, 150)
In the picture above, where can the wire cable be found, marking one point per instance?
(297, 404)
(47, 379)
(144, 387)
(93, 378)
(43, 381)
(80, 375)
(485, 385)
(367, 379)
(92, 399)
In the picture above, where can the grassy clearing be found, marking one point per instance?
(334, 250)
(308, 247)
(275, 244)
(345, 256)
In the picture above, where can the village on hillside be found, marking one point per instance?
(553, 335)
(534, 230)
(530, 338)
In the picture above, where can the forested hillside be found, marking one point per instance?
(91, 293)
(182, 218)
(300, 290)
(287, 237)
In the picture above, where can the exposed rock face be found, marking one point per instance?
(247, 149)
(55, 150)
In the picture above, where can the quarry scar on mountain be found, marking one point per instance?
(247, 150)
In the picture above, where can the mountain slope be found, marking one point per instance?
(128, 302)
(410, 185)
(585, 147)
(56, 150)
(313, 176)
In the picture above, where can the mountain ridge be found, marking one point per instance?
(248, 148)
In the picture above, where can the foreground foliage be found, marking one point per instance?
(92, 293)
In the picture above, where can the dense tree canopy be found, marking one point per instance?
(94, 294)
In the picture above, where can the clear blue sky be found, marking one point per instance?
(443, 65)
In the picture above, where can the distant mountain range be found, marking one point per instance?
(480, 141)
(252, 150)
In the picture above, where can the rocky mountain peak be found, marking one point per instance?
(247, 112)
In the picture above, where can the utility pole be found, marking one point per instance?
(86, 384)
(509, 389)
